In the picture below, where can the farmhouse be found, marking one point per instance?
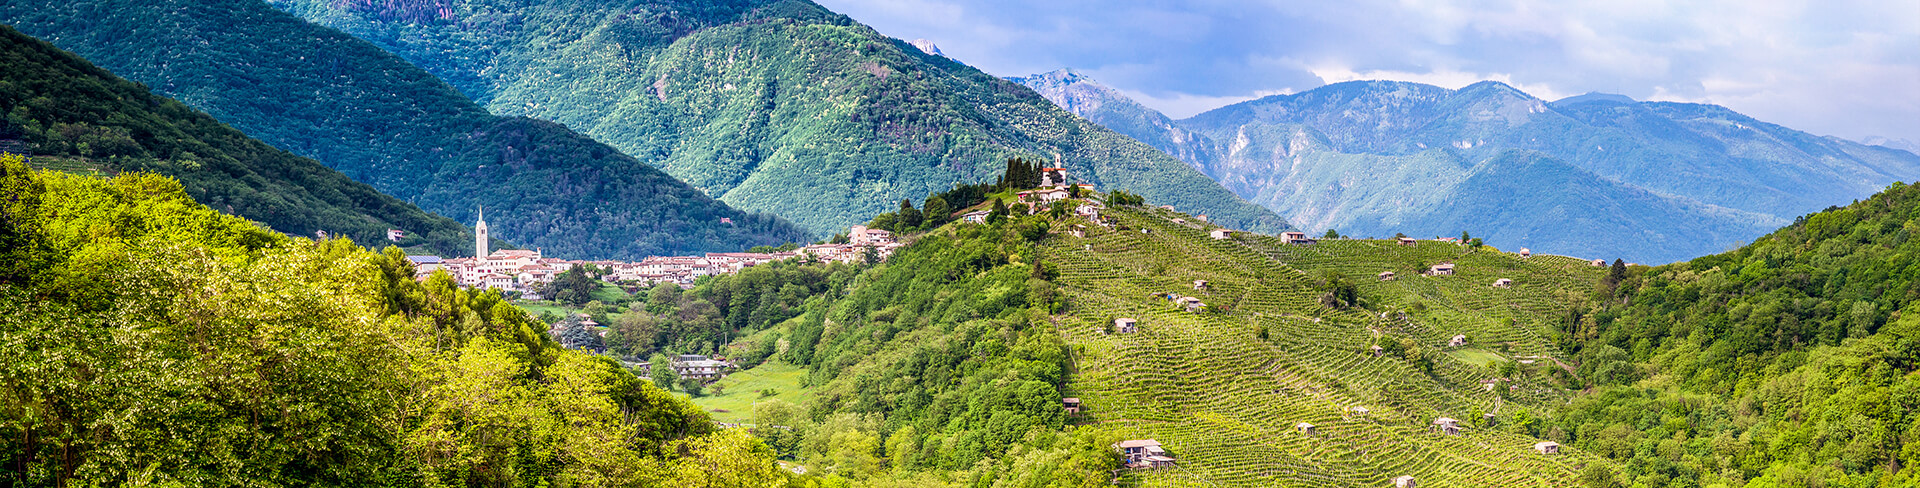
(1526, 253)
(1386, 276)
(1445, 269)
(1199, 284)
(1599, 263)
(1457, 341)
(975, 217)
(699, 367)
(1220, 233)
(1143, 453)
(1295, 238)
(1378, 351)
(1124, 325)
(1503, 283)
(1446, 426)
(1304, 428)
(1403, 482)
(1408, 241)
(1547, 447)
(1072, 405)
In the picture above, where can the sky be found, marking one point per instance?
(1842, 68)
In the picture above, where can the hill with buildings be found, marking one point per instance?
(344, 102)
(68, 114)
(776, 106)
(1378, 158)
(152, 339)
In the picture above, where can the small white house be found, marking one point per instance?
(1386, 276)
(1220, 233)
(976, 217)
(1547, 447)
(1442, 270)
(1124, 325)
(1304, 428)
(1503, 283)
(1403, 482)
(1457, 341)
(1526, 253)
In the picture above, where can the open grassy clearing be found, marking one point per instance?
(742, 389)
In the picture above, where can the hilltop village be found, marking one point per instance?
(519, 270)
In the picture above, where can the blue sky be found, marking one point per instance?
(1844, 68)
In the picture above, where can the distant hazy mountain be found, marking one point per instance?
(1901, 144)
(1605, 175)
(323, 94)
(778, 106)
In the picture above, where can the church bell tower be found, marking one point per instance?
(480, 235)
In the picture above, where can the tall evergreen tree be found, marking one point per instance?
(909, 217)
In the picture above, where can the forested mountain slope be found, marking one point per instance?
(1788, 362)
(152, 340)
(70, 113)
(771, 105)
(1378, 157)
(371, 115)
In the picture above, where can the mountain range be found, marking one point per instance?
(376, 118)
(1594, 175)
(776, 106)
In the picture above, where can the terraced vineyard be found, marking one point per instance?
(1225, 401)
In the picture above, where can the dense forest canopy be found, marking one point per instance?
(68, 112)
(150, 339)
(1787, 362)
(353, 107)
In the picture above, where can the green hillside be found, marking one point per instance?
(76, 117)
(774, 106)
(951, 358)
(1789, 362)
(149, 340)
(344, 102)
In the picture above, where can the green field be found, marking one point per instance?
(1478, 357)
(743, 390)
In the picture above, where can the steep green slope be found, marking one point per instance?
(70, 113)
(949, 351)
(1375, 158)
(146, 339)
(1225, 389)
(342, 101)
(1789, 362)
(778, 106)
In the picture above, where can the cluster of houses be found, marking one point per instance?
(696, 367)
(519, 270)
(1054, 187)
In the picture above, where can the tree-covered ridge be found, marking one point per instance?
(64, 108)
(1788, 362)
(776, 106)
(145, 339)
(376, 118)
